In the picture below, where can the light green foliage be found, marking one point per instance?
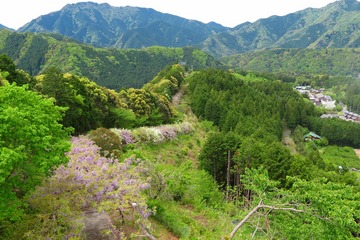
(336, 207)
(340, 156)
(32, 144)
(308, 210)
(138, 100)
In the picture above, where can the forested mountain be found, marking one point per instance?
(336, 25)
(130, 27)
(109, 67)
(333, 26)
(332, 61)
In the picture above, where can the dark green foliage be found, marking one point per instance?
(89, 105)
(34, 56)
(353, 97)
(14, 75)
(214, 154)
(338, 132)
(333, 61)
(120, 118)
(247, 108)
(256, 114)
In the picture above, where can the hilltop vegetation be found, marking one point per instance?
(111, 68)
(332, 61)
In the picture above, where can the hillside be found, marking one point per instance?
(130, 27)
(332, 61)
(336, 25)
(195, 168)
(109, 67)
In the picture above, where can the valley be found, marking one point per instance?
(168, 128)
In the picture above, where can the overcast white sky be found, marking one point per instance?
(16, 13)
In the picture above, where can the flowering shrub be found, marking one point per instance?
(168, 131)
(127, 137)
(93, 182)
(157, 134)
(109, 142)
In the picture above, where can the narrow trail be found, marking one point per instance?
(288, 141)
(176, 99)
(96, 224)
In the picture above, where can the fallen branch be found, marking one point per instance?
(255, 209)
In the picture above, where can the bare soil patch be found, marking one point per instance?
(357, 151)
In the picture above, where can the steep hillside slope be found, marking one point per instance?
(112, 68)
(332, 61)
(336, 25)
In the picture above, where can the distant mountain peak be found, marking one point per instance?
(348, 5)
(336, 25)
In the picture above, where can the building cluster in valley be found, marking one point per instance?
(317, 96)
(321, 100)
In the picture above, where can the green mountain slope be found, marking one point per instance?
(112, 68)
(104, 25)
(332, 61)
(336, 25)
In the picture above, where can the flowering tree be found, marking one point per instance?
(91, 182)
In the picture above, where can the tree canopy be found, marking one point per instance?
(32, 144)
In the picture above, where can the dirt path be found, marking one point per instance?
(357, 151)
(176, 99)
(288, 141)
(96, 224)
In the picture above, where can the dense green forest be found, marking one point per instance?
(332, 61)
(109, 67)
(191, 155)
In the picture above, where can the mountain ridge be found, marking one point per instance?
(107, 24)
(335, 25)
(110, 67)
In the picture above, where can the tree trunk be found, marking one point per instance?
(228, 177)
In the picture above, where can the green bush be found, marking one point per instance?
(108, 141)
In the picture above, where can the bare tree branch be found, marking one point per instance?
(255, 209)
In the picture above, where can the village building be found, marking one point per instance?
(317, 97)
(311, 136)
(350, 116)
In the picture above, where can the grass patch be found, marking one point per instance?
(340, 156)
